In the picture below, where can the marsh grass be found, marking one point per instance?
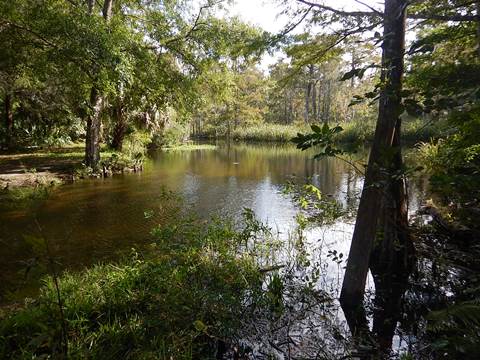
(258, 132)
(268, 132)
(189, 146)
(358, 131)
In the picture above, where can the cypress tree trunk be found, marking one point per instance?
(328, 100)
(307, 101)
(107, 9)
(90, 5)
(314, 100)
(393, 255)
(376, 178)
(478, 27)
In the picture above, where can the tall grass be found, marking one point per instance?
(268, 132)
(258, 132)
(357, 131)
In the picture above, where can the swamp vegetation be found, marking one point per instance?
(134, 224)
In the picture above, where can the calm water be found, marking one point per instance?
(94, 220)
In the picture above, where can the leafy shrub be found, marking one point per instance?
(174, 134)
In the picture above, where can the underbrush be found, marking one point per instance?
(176, 300)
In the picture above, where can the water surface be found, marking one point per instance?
(95, 220)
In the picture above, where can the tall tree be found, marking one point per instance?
(382, 208)
(92, 142)
(375, 190)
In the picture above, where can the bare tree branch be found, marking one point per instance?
(378, 12)
(291, 27)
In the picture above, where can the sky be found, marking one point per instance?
(264, 13)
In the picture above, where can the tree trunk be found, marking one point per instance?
(320, 103)
(307, 101)
(326, 101)
(107, 10)
(376, 178)
(314, 100)
(92, 143)
(478, 27)
(352, 67)
(392, 258)
(8, 120)
(90, 5)
(120, 127)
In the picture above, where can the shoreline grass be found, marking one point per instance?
(359, 131)
(188, 147)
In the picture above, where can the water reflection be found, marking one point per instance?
(93, 220)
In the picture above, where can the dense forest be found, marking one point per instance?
(368, 120)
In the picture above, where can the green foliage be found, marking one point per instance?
(454, 331)
(266, 132)
(175, 300)
(316, 208)
(454, 162)
(322, 138)
(175, 134)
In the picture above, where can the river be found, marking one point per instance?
(97, 219)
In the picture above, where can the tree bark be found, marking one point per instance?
(478, 26)
(8, 119)
(90, 5)
(376, 177)
(392, 258)
(107, 9)
(314, 100)
(92, 143)
(328, 101)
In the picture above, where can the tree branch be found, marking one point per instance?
(196, 23)
(338, 11)
(376, 13)
(291, 27)
(455, 18)
(370, 7)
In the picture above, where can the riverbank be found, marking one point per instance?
(52, 166)
(39, 167)
(34, 167)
